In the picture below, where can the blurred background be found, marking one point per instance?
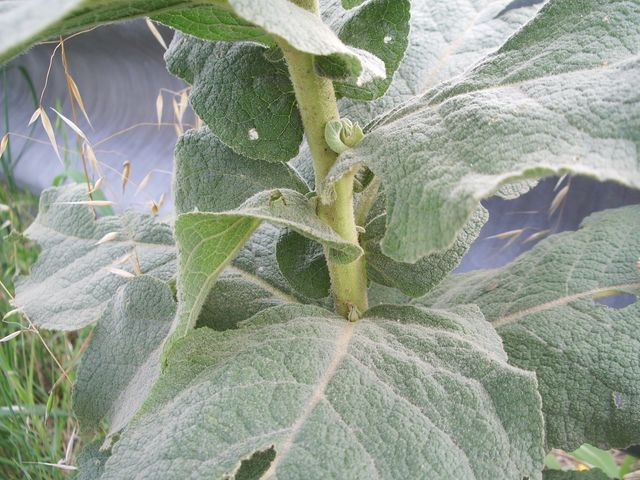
(112, 83)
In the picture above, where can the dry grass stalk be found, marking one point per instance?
(72, 87)
(34, 329)
(135, 261)
(176, 110)
(182, 104)
(91, 155)
(509, 234)
(89, 203)
(560, 181)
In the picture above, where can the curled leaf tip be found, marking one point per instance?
(343, 134)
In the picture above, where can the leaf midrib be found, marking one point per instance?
(342, 346)
(558, 302)
(443, 97)
(447, 53)
(262, 283)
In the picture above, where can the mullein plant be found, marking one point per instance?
(298, 319)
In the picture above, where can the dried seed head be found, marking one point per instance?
(120, 272)
(159, 107)
(558, 200)
(48, 128)
(3, 143)
(126, 171)
(89, 203)
(10, 336)
(154, 31)
(144, 182)
(70, 123)
(537, 236)
(107, 238)
(75, 92)
(156, 206)
(509, 234)
(35, 115)
(97, 185)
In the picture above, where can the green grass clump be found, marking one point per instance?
(29, 435)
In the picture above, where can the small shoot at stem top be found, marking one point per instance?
(342, 135)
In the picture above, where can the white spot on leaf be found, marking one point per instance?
(617, 399)
(253, 134)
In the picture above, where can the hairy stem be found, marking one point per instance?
(317, 104)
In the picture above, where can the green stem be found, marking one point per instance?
(317, 104)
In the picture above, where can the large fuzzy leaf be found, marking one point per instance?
(207, 242)
(122, 360)
(246, 97)
(247, 101)
(291, 209)
(584, 354)
(210, 177)
(593, 474)
(306, 32)
(446, 38)
(303, 264)
(416, 279)
(91, 459)
(214, 23)
(26, 22)
(300, 393)
(388, 40)
(73, 281)
(252, 283)
(558, 97)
